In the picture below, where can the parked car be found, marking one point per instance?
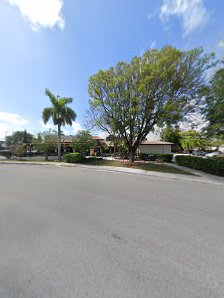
(198, 153)
(213, 154)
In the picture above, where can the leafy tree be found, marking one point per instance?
(193, 139)
(19, 137)
(161, 87)
(215, 105)
(83, 141)
(18, 150)
(46, 142)
(60, 113)
(173, 135)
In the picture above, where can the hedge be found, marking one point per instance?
(211, 166)
(73, 158)
(162, 157)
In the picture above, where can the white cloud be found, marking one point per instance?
(194, 121)
(153, 45)
(221, 44)
(192, 13)
(76, 126)
(10, 122)
(41, 13)
(46, 126)
(12, 119)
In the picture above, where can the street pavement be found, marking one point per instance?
(79, 232)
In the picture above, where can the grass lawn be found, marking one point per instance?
(142, 166)
(157, 167)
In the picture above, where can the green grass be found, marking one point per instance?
(143, 166)
(156, 167)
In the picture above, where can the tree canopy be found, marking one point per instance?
(193, 139)
(83, 141)
(46, 142)
(161, 87)
(215, 105)
(173, 135)
(19, 137)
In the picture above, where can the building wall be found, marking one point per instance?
(155, 149)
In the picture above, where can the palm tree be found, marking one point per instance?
(60, 113)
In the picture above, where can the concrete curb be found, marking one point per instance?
(153, 174)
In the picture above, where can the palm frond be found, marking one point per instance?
(47, 114)
(53, 98)
(65, 100)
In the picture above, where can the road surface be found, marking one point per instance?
(76, 232)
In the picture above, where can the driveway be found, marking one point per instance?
(79, 232)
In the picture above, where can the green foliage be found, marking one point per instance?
(164, 157)
(60, 113)
(19, 137)
(172, 135)
(193, 139)
(18, 150)
(212, 166)
(46, 142)
(160, 87)
(5, 153)
(83, 141)
(215, 105)
(160, 157)
(73, 158)
(143, 156)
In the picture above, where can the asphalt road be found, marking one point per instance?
(72, 232)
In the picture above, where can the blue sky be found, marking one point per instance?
(59, 44)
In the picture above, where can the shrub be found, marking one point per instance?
(211, 166)
(143, 156)
(164, 157)
(74, 158)
(5, 153)
(161, 157)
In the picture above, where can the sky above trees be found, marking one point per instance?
(60, 44)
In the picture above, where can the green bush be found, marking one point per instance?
(5, 153)
(143, 156)
(74, 158)
(211, 166)
(164, 157)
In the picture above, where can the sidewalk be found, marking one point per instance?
(201, 177)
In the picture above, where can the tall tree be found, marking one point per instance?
(46, 142)
(83, 142)
(215, 105)
(173, 135)
(161, 87)
(60, 114)
(19, 137)
(193, 139)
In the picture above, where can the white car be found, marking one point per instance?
(212, 154)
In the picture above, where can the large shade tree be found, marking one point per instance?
(60, 114)
(215, 105)
(173, 135)
(19, 137)
(47, 142)
(83, 142)
(161, 87)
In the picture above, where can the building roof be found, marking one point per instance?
(96, 138)
(156, 143)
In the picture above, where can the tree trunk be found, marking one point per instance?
(59, 142)
(115, 149)
(132, 152)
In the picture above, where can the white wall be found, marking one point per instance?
(155, 149)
